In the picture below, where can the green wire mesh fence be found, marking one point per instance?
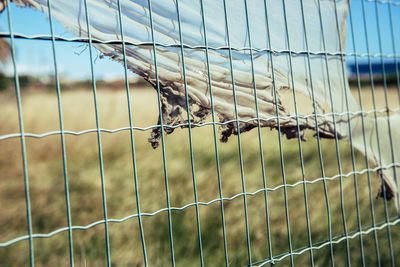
(325, 215)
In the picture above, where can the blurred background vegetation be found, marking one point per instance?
(47, 195)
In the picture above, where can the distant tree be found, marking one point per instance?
(25, 80)
(4, 82)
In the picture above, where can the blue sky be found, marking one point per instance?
(35, 57)
(373, 11)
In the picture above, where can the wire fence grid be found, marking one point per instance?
(389, 223)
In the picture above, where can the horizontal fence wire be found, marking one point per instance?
(335, 240)
(185, 125)
(146, 214)
(316, 246)
(395, 3)
(44, 37)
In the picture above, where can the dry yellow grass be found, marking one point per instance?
(47, 194)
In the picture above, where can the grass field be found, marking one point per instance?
(47, 193)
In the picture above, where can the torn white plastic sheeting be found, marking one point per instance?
(325, 24)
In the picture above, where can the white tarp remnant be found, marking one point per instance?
(325, 24)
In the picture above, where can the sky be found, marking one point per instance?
(35, 57)
(376, 13)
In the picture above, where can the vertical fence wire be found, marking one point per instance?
(128, 97)
(103, 185)
(336, 136)
(371, 78)
(238, 135)
(385, 91)
(396, 61)
(190, 136)
(62, 135)
(215, 135)
(260, 145)
(298, 129)
(318, 135)
(21, 129)
(342, 59)
(279, 137)
(171, 239)
(371, 201)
